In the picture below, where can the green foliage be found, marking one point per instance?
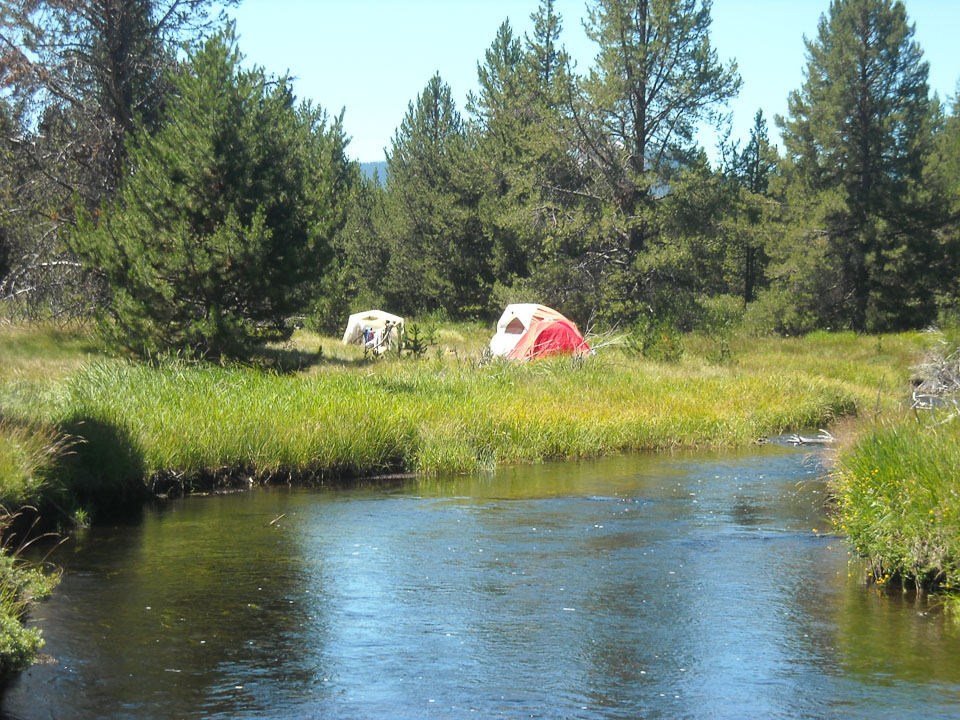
(438, 256)
(722, 318)
(656, 339)
(777, 311)
(78, 76)
(897, 495)
(354, 276)
(948, 322)
(748, 217)
(526, 169)
(29, 452)
(586, 191)
(859, 132)
(520, 291)
(803, 268)
(22, 584)
(414, 342)
(722, 315)
(656, 78)
(942, 175)
(223, 224)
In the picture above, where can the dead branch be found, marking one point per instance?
(823, 438)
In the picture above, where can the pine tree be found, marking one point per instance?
(223, 223)
(531, 199)
(354, 278)
(942, 181)
(439, 258)
(749, 171)
(656, 78)
(859, 131)
(77, 75)
(501, 119)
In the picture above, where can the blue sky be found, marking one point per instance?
(373, 57)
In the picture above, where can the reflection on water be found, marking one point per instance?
(666, 587)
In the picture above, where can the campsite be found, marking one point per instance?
(438, 429)
(592, 390)
(530, 330)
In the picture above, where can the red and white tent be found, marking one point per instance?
(528, 330)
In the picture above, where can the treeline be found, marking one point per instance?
(193, 204)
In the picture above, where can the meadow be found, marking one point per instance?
(93, 433)
(85, 435)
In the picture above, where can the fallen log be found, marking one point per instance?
(824, 438)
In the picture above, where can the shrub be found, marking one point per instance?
(657, 340)
(776, 311)
(897, 500)
(21, 583)
(225, 217)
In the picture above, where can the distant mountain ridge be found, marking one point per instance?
(380, 168)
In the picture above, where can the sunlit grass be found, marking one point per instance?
(340, 413)
(898, 500)
(434, 416)
(41, 353)
(34, 360)
(28, 461)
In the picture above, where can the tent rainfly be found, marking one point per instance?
(528, 330)
(376, 329)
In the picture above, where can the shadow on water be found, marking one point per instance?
(104, 469)
(685, 586)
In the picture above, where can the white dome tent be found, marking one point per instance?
(376, 329)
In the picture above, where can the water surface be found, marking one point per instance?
(702, 586)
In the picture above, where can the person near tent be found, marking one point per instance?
(374, 330)
(385, 339)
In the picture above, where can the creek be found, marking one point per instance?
(667, 586)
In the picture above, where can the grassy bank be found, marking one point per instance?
(29, 455)
(898, 486)
(83, 432)
(34, 360)
(433, 417)
(898, 494)
(178, 424)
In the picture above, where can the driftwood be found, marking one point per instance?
(936, 384)
(824, 438)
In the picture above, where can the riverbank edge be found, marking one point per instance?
(168, 484)
(135, 488)
(896, 495)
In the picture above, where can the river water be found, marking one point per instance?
(682, 586)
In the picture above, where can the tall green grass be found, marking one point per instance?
(33, 361)
(44, 351)
(898, 500)
(341, 416)
(432, 417)
(29, 455)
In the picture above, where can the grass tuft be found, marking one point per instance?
(898, 500)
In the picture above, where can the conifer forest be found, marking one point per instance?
(152, 180)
